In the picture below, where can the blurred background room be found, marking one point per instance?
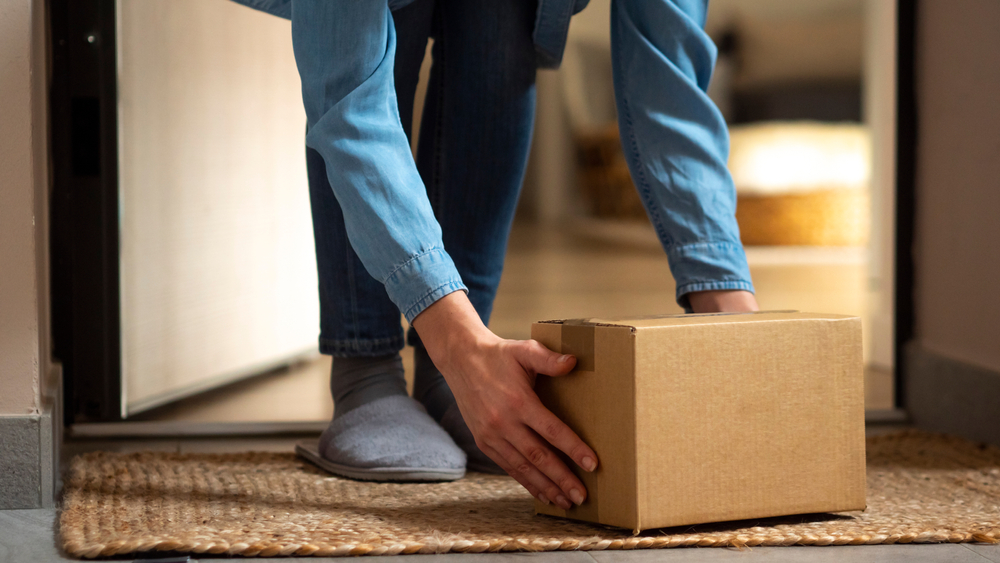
(807, 89)
(219, 309)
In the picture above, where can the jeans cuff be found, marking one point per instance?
(356, 348)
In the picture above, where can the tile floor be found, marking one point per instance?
(583, 269)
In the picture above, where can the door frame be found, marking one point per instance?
(906, 170)
(84, 238)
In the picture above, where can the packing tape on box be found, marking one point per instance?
(577, 337)
(578, 340)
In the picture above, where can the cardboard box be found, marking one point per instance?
(709, 418)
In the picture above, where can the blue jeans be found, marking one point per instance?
(473, 147)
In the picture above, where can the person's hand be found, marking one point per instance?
(493, 382)
(722, 301)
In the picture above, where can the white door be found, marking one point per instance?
(218, 277)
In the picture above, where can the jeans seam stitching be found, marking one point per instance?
(438, 136)
(353, 290)
(439, 118)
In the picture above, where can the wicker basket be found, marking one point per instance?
(823, 217)
(604, 176)
(836, 217)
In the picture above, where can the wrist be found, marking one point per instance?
(722, 301)
(451, 325)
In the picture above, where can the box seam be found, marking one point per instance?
(635, 432)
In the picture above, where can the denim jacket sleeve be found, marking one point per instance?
(551, 27)
(676, 141)
(345, 51)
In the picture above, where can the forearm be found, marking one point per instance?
(449, 328)
(722, 302)
(676, 142)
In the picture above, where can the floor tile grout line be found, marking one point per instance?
(966, 546)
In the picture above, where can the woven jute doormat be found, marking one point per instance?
(922, 488)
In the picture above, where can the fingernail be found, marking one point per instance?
(564, 358)
(561, 501)
(543, 498)
(589, 464)
(576, 495)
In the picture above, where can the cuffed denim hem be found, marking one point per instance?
(429, 299)
(708, 266)
(422, 280)
(360, 348)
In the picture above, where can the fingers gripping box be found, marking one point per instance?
(709, 418)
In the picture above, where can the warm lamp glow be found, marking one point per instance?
(778, 158)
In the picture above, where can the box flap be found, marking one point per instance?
(687, 319)
(596, 400)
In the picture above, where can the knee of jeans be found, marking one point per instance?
(397, 4)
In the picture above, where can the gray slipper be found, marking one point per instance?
(389, 439)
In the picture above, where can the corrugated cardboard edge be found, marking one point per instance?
(640, 500)
(593, 510)
(597, 321)
(637, 525)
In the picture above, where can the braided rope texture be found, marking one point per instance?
(922, 488)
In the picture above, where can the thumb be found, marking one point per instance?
(539, 359)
